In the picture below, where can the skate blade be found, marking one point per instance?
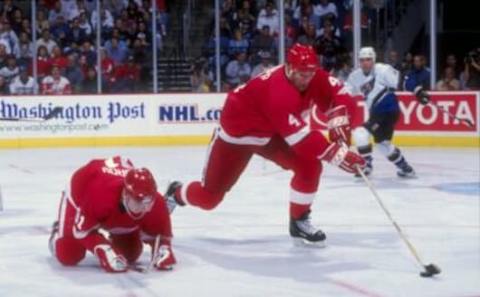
(407, 176)
(300, 242)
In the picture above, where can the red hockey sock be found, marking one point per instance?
(195, 194)
(298, 210)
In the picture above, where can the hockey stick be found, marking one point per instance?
(466, 122)
(430, 269)
(53, 113)
(149, 267)
(420, 94)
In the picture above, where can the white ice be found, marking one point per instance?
(242, 248)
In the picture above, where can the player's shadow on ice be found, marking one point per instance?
(275, 256)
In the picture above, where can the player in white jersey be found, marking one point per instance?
(377, 83)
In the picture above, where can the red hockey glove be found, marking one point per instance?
(339, 155)
(339, 125)
(165, 259)
(110, 260)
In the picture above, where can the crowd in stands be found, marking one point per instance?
(66, 53)
(66, 59)
(249, 32)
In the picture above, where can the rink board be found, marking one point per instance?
(189, 119)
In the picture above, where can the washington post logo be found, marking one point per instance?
(112, 111)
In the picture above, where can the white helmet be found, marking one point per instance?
(367, 53)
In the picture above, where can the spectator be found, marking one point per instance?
(76, 34)
(107, 67)
(89, 84)
(328, 45)
(393, 60)
(246, 21)
(106, 18)
(199, 80)
(126, 76)
(344, 67)
(85, 24)
(73, 72)
(16, 21)
(9, 71)
(8, 10)
(117, 50)
(237, 44)
(263, 41)
(42, 22)
(60, 30)
(418, 76)
(55, 12)
(43, 62)
(9, 38)
(3, 55)
(70, 9)
(26, 27)
(238, 71)
(303, 14)
(89, 52)
(451, 61)
(269, 16)
(26, 49)
(225, 29)
(23, 84)
(265, 64)
(4, 90)
(471, 74)
(325, 9)
(309, 36)
(449, 82)
(407, 63)
(55, 84)
(57, 58)
(335, 29)
(46, 41)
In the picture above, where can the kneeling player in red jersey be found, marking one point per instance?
(268, 116)
(114, 196)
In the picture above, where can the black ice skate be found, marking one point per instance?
(53, 235)
(406, 171)
(170, 198)
(304, 233)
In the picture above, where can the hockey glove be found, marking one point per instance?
(339, 155)
(339, 125)
(165, 259)
(110, 260)
(421, 95)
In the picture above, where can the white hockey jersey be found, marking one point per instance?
(17, 87)
(382, 80)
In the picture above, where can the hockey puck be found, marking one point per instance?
(430, 270)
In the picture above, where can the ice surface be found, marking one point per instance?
(242, 248)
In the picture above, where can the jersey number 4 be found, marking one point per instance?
(293, 121)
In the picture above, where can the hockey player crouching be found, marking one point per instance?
(377, 82)
(113, 196)
(267, 116)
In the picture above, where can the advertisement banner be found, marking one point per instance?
(416, 118)
(164, 119)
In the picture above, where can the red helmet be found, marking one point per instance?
(302, 57)
(139, 183)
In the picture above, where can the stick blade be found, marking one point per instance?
(53, 113)
(430, 270)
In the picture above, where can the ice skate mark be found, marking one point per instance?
(29, 230)
(24, 170)
(354, 288)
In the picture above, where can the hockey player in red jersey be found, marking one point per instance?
(114, 196)
(268, 116)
